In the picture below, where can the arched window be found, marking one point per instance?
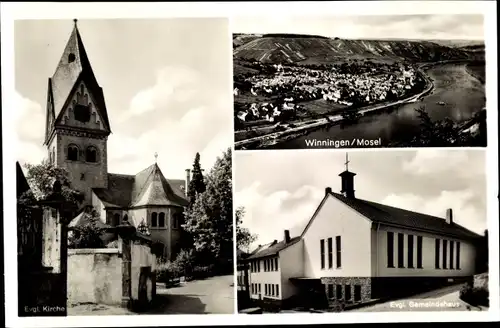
(116, 219)
(125, 218)
(176, 221)
(72, 153)
(91, 154)
(154, 219)
(161, 220)
(71, 58)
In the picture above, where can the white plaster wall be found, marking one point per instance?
(51, 243)
(141, 257)
(337, 219)
(467, 255)
(291, 265)
(262, 277)
(95, 276)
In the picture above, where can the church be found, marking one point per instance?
(354, 251)
(76, 134)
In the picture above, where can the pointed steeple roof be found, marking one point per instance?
(74, 66)
(153, 189)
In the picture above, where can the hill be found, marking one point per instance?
(313, 49)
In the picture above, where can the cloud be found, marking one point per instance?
(464, 211)
(30, 123)
(434, 162)
(173, 84)
(269, 214)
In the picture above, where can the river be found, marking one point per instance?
(462, 93)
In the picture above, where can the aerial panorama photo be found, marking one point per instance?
(362, 81)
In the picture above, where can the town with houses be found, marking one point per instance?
(288, 88)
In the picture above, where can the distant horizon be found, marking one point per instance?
(365, 39)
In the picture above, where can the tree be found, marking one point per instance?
(440, 133)
(197, 183)
(88, 234)
(210, 219)
(41, 178)
(185, 261)
(243, 236)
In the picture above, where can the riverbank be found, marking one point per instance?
(295, 129)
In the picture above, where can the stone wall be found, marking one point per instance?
(94, 276)
(363, 282)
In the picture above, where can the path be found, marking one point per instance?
(443, 299)
(211, 295)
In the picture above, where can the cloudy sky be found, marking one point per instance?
(461, 27)
(139, 64)
(282, 189)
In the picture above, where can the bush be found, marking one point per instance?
(475, 296)
(202, 272)
(166, 272)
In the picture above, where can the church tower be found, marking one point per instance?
(347, 179)
(77, 125)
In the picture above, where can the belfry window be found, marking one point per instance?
(91, 154)
(161, 220)
(71, 57)
(72, 153)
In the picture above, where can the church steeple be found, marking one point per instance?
(77, 124)
(73, 69)
(347, 178)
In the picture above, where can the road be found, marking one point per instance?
(212, 295)
(443, 299)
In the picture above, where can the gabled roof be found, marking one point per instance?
(22, 184)
(69, 73)
(147, 188)
(272, 248)
(394, 216)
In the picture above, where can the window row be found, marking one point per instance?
(74, 154)
(272, 290)
(449, 258)
(412, 247)
(271, 264)
(255, 289)
(158, 220)
(255, 266)
(344, 292)
(338, 255)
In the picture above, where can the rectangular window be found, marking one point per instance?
(330, 291)
(437, 252)
(259, 288)
(265, 267)
(276, 263)
(452, 244)
(410, 251)
(339, 292)
(258, 266)
(445, 254)
(339, 249)
(390, 249)
(347, 292)
(419, 252)
(458, 256)
(277, 290)
(272, 289)
(322, 246)
(357, 293)
(265, 289)
(401, 249)
(330, 253)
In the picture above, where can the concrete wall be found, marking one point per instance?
(141, 257)
(467, 256)
(291, 265)
(95, 276)
(51, 244)
(337, 219)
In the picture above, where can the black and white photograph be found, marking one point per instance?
(377, 231)
(124, 192)
(359, 81)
